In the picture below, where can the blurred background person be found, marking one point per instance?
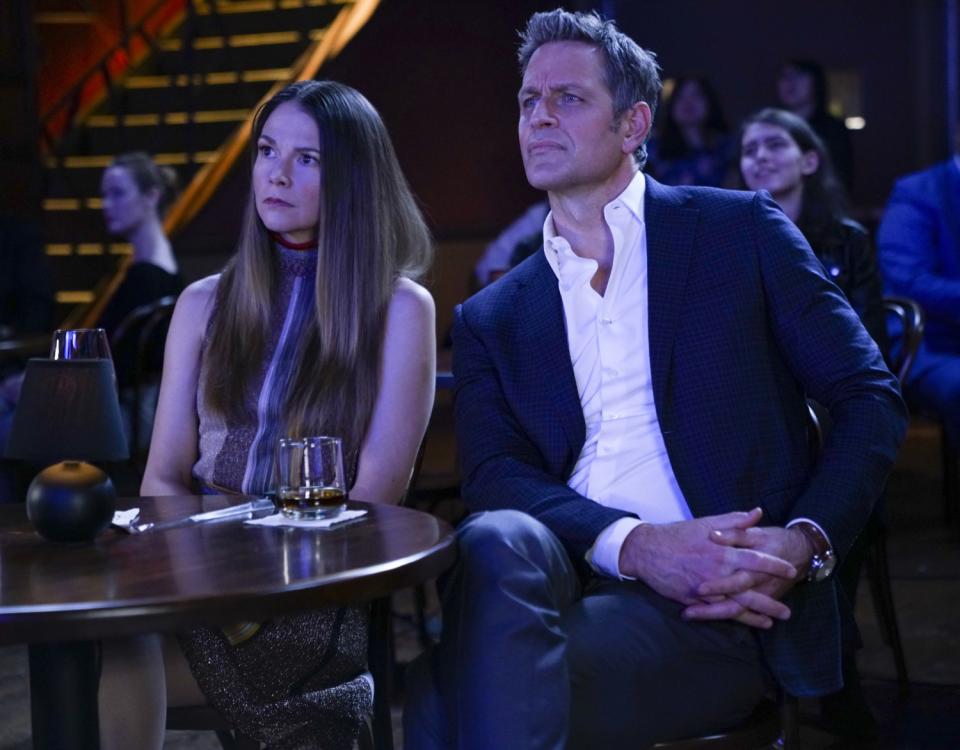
(802, 89)
(919, 247)
(136, 193)
(519, 240)
(692, 146)
(781, 153)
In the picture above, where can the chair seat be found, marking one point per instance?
(760, 730)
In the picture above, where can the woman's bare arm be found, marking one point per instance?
(173, 447)
(407, 380)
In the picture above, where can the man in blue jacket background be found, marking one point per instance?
(919, 248)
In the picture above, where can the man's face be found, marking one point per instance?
(568, 139)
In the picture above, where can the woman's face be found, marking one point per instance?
(795, 88)
(770, 159)
(286, 174)
(125, 208)
(689, 105)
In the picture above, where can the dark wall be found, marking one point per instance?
(444, 77)
(20, 191)
(443, 74)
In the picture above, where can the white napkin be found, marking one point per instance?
(125, 518)
(278, 519)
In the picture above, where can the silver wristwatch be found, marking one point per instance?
(822, 561)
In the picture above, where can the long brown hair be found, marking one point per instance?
(370, 234)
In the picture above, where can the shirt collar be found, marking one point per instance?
(560, 255)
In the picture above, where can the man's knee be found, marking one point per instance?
(509, 550)
(497, 537)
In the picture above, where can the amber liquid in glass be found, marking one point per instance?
(312, 501)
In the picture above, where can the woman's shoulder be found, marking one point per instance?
(197, 297)
(410, 298)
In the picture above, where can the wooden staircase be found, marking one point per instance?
(189, 103)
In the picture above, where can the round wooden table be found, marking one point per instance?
(62, 598)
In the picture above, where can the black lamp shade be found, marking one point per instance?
(68, 409)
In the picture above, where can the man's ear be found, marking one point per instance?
(809, 163)
(637, 121)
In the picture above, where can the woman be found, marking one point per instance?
(779, 152)
(315, 327)
(692, 146)
(135, 194)
(802, 89)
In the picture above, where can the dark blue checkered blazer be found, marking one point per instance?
(743, 325)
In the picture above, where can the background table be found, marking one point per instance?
(61, 598)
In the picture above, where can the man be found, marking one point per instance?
(919, 249)
(630, 406)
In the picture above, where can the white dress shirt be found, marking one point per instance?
(624, 462)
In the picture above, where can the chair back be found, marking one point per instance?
(142, 332)
(911, 320)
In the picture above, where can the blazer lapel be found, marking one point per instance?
(546, 353)
(671, 229)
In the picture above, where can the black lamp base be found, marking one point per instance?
(71, 501)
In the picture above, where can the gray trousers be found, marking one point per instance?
(532, 659)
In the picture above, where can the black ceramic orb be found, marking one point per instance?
(71, 501)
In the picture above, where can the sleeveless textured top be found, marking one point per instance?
(239, 456)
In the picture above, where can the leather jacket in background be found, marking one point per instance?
(850, 261)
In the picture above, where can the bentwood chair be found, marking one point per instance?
(142, 333)
(910, 324)
(911, 318)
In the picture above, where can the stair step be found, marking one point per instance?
(84, 182)
(237, 41)
(228, 58)
(263, 16)
(168, 138)
(77, 273)
(211, 91)
(63, 249)
(78, 228)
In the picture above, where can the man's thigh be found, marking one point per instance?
(639, 673)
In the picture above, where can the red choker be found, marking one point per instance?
(310, 245)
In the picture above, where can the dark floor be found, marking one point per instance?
(925, 566)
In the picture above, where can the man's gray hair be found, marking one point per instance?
(631, 72)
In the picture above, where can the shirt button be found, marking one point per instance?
(606, 321)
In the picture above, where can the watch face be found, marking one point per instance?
(822, 566)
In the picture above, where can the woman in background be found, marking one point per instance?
(692, 146)
(136, 193)
(316, 326)
(802, 89)
(779, 152)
